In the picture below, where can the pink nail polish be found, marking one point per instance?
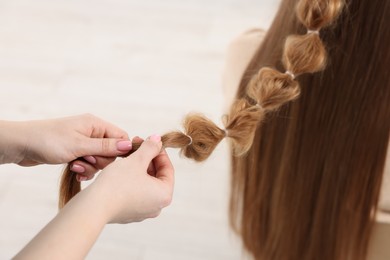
(124, 145)
(77, 168)
(155, 138)
(90, 159)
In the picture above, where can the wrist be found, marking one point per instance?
(96, 199)
(12, 141)
(104, 190)
(71, 234)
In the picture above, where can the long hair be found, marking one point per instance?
(308, 187)
(306, 172)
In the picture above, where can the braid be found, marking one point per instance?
(268, 90)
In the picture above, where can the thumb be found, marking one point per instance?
(148, 150)
(107, 147)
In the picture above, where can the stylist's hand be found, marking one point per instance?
(128, 190)
(64, 140)
(137, 187)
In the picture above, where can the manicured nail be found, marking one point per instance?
(77, 168)
(90, 159)
(155, 138)
(124, 145)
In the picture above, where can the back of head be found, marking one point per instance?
(309, 185)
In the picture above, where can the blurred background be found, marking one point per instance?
(141, 65)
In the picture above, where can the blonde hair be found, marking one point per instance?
(256, 168)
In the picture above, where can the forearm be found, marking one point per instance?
(71, 234)
(12, 141)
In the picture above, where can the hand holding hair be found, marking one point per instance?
(127, 190)
(150, 174)
(198, 142)
(88, 141)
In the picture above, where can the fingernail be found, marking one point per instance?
(155, 138)
(81, 178)
(90, 159)
(77, 168)
(124, 145)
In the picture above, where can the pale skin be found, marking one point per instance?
(128, 190)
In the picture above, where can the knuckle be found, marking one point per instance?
(171, 170)
(88, 116)
(105, 145)
(104, 162)
(144, 155)
(141, 157)
(155, 214)
(90, 176)
(153, 146)
(166, 200)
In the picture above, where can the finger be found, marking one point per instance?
(91, 159)
(106, 147)
(164, 168)
(112, 131)
(165, 173)
(151, 169)
(103, 128)
(80, 177)
(83, 168)
(137, 139)
(99, 162)
(149, 149)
